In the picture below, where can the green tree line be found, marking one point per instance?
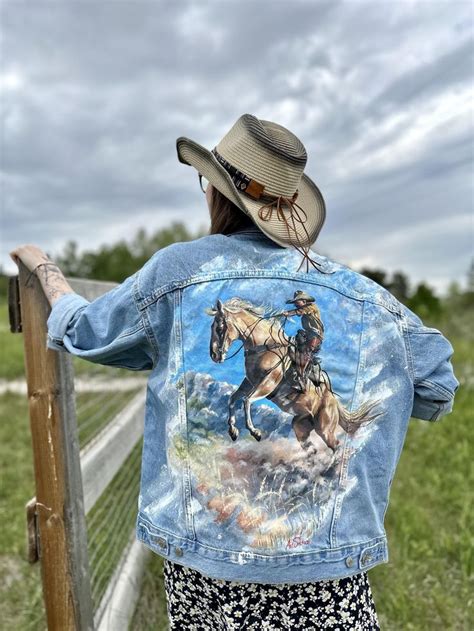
(117, 261)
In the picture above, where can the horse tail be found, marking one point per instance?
(351, 421)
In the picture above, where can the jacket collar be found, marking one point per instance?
(323, 261)
(250, 229)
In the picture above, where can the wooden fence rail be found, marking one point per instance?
(70, 481)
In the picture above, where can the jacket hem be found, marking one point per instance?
(245, 566)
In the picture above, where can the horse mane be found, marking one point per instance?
(273, 325)
(237, 304)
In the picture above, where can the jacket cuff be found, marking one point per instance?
(61, 314)
(430, 410)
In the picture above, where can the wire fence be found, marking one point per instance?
(87, 427)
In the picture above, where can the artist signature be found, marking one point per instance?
(296, 541)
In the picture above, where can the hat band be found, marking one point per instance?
(241, 181)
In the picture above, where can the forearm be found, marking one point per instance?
(52, 280)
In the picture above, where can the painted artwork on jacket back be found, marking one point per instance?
(269, 371)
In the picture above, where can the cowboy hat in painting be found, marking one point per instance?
(259, 165)
(300, 295)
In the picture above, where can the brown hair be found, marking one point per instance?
(311, 307)
(226, 217)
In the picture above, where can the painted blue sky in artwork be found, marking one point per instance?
(341, 318)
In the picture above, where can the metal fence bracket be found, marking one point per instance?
(14, 310)
(32, 533)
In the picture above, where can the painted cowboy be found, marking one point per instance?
(308, 339)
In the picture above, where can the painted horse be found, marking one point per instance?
(268, 352)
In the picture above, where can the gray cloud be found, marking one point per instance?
(94, 96)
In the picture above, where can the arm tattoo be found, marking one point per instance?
(52, 280)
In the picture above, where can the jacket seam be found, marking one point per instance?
(156, 294)
(424, 330)
(438, 388)
(170, 287)
(144, 320)
(131, 331)
(408, 348)
(183, 404)
(151, 337)
(345, 459)
(374, 541)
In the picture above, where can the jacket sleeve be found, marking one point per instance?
(429, 357)
(110, 330)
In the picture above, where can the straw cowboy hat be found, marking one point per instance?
(259, 165)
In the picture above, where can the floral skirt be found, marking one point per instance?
(200, 603)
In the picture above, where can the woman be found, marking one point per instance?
(200, 602)
(309, 338)
(345, 603)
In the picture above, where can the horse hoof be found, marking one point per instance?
(257, 434)
(233, 433)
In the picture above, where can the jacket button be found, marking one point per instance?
(349, 561)
(366, 558)
(160, 541)
(178, 552)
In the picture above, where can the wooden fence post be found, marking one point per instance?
(62, 533)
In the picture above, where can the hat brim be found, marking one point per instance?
(309, 197)
(295, 299)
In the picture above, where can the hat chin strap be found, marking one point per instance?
(265, 213)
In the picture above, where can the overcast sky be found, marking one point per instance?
(94, 95)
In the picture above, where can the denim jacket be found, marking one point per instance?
(247, 473)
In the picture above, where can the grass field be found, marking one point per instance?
(427, 583)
